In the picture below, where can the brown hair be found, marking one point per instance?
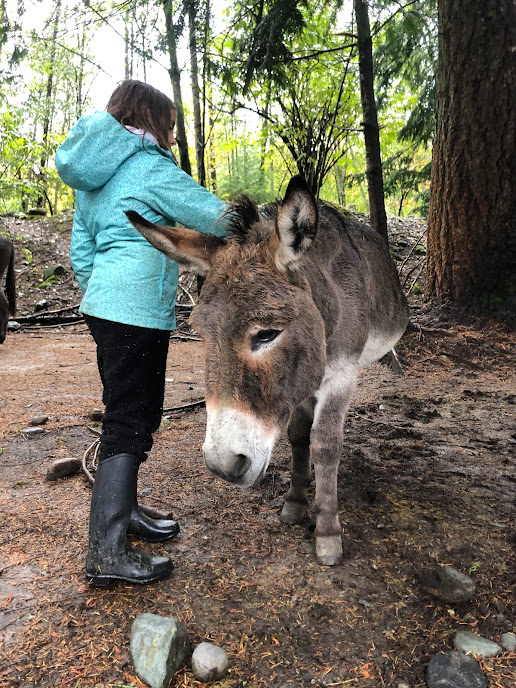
(137, 104)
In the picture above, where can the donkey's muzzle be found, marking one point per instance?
(238, 445)
(234, 470)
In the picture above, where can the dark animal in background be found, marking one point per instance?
(7, 305)
(295, 302)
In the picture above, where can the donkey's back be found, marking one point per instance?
(356, 288)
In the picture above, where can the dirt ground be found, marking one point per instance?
(427, 476)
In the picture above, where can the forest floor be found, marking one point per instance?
(427, 476)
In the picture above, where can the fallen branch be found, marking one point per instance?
(186, 337)
(39, 314)
(186, 407)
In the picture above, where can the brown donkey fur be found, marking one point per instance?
(296, 300)
(7, 305)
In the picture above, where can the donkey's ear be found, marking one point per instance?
(188, 247)
(296, 224)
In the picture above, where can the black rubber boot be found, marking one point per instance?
(109, 555)
(151, 529)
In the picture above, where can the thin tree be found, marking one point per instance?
(371, 129)
(192, 7)
(472, 219)
(175, 79)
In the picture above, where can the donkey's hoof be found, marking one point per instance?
(293, 513)
(329, 549)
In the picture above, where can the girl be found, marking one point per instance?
(121, 160)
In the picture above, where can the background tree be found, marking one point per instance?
(377, 214)
(173, 32)
(472, 219)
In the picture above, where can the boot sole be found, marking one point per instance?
(104, 581)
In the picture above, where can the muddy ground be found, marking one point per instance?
(427, 476)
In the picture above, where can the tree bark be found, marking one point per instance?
(196, 97)
(472, 218)
(175, 79)
(374, 174)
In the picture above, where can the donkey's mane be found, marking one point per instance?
(248, 221)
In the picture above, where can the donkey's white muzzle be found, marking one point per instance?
(238, 446)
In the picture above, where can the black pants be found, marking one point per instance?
(132, 364)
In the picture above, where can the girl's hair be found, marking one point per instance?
(137, 104)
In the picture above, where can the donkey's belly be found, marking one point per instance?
(377, 345)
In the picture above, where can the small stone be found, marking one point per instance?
(454, 670)
(62, 468)
(403, 685)
(32, 432)
(38, 420)
(365, 603)
(40, 305)
(447, 584)
(508, 642)
(53, 270)
(209, 662)
(13, 325)
(96, 414)
(159, 645)
(470, 642)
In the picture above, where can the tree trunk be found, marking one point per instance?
(340, 183)
(175, 79)
(198, 127)
(472, 217)
(374, 174)
(48, 109)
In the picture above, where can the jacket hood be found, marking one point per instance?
(94, 150)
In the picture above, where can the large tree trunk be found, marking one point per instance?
(374, 174)
(472, 219)
(175, 79)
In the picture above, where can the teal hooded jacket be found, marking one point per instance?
(122, 276)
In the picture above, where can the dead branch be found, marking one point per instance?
(186, 407)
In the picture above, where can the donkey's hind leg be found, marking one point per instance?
(295, 506)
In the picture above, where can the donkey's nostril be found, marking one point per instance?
(241, 466)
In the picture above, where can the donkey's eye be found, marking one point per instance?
(264, 337)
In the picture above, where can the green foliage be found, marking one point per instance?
(405, 59)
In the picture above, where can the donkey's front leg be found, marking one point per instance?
(333, 399)
(296, 503)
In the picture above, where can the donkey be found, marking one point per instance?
(294, 303)
(7, 305)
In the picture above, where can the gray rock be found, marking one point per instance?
(470, 642)
(58, 270)
(32, 432)
(209, 662)
(159, 646)
(454, 670)
(62, 468)
(95, 414)
(447, 584)
(41, 305)
(508, 642)
(13, 325)
(38, 420)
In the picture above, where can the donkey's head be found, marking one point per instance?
(263, 335)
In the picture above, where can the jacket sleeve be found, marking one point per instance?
(177, 196)
(82, 251)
